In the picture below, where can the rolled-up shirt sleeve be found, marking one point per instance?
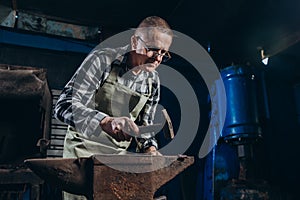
(76, 106)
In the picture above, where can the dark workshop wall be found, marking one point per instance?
(282, 129)
(60, 65)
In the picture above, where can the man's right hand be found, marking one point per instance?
(120, 128)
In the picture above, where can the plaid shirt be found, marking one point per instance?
(75, 105)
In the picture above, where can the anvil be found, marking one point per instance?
(111, 177)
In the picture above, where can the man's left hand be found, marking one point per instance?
(153, 151)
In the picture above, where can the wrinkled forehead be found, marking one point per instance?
(155, 37)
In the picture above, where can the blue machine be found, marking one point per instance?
(242, 116)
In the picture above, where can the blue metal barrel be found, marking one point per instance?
(242, 119)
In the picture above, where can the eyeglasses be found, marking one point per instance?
(156, 51)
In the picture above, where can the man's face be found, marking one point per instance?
(151, 49)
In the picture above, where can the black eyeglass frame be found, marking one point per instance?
(165, 54)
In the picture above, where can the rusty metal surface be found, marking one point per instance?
(21, 81)
(70, 174)
(90, 177)
(46, 24)
(24, 90)
(112, 184)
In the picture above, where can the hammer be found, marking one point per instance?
(167, 127)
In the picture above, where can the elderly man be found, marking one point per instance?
(114, 91)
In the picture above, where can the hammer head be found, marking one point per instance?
(167, 127)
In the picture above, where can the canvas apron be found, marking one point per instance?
(115, 100)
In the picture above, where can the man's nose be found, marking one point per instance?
(155, 56)
(158, 57)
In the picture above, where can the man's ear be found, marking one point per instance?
(133, 42)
